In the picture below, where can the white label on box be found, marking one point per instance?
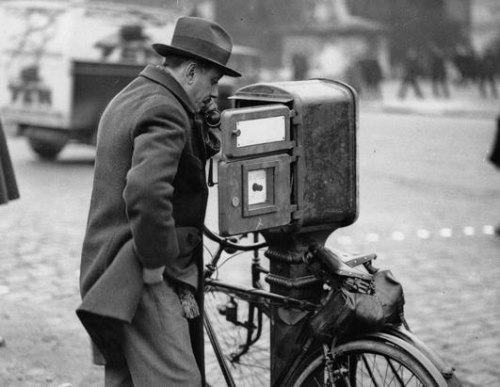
(257, 186)
(260, 131)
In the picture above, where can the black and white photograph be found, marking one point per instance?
(248, 193)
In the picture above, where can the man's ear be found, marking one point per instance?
(190, 72)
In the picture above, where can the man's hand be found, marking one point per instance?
(152, 276)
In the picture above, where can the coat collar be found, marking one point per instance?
(158, 75)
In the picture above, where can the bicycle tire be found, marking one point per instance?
(363, 363)
(444, 368)
(253, 368)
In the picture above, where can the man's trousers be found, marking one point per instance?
(156, 345)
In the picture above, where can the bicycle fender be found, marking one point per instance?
(412, 350)
(444, 367)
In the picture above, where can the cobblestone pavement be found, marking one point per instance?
(40, 244)
(451, 281)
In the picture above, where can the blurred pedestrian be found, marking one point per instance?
(467, 63)
(300, 67)
(495, 157)
(8, 184)
(371, 73)
(354, 78)
(128, 45)
(142, 258)
(411, 73)
(439, 76)
(458, 60)
(487, 73)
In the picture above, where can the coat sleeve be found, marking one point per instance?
(159, 138)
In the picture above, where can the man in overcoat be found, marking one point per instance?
(141, 256)
(8, 183)
(495, 156)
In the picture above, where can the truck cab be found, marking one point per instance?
(62, 62)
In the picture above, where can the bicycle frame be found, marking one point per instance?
(275, 298)
(259, 301)
(255, 293)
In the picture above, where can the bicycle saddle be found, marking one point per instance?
(334, 264)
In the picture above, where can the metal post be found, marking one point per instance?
(289, 277)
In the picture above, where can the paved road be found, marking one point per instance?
(427, 199)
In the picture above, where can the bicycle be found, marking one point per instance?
(391, 357)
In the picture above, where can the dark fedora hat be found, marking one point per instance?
(200, 39)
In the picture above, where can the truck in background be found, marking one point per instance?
(61, 62)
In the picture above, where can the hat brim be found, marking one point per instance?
(165, 50)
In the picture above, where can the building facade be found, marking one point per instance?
(289, 32)
(418, 23)
(485, 24)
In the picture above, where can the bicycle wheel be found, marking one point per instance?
(248, 369)
(363, 363)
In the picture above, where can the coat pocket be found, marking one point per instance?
(184, 267)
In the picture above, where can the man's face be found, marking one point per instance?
(203, 87)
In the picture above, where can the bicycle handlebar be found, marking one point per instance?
(331, 262)
(226, 243)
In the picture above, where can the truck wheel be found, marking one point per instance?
(46, 143)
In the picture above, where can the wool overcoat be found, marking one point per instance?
(147, 206)
(8, 184)
(495, 150)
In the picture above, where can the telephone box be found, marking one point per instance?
(289, 160)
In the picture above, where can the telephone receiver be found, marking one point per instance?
(212, 118)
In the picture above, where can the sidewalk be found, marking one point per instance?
(463, 101)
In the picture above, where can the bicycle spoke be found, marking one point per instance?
(369, 369)
(395, 371)
(380, 371)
